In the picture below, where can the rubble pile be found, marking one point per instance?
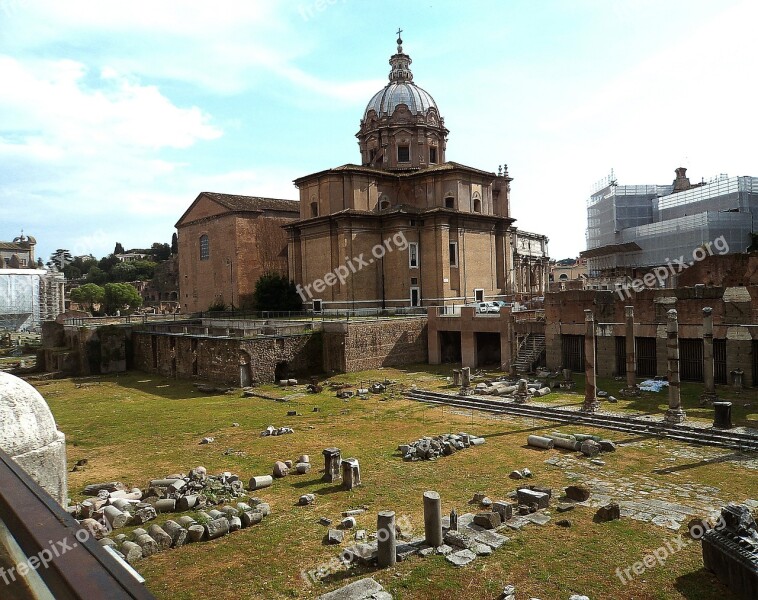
(111, 506)
(431, 448)
(203, 526)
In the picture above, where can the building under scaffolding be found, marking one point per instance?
(28, 297)
(636, 227)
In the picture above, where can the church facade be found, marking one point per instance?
(405, 227)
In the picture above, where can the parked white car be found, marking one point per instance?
(487, 307)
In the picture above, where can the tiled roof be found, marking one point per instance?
(253, 203)
(13, 246)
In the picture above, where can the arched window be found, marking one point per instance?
(563, 277)
(314, 209)
(477, 205)
(384, 202)
(205, 248)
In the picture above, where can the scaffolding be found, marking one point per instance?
(28, 297)
(635, 226)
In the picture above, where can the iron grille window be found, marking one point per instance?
(205, 248)
(572, 352)
(691, 359)
(647, 365)
(620, 355)
(719, 362)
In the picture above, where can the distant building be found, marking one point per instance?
(226, 243)
(631, 228)
(568, 274)
(530, 270)
(28, 297)
(18, 254)
(128, 257)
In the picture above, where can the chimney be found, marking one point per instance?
(681, 182)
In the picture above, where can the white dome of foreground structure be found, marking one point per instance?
(29, 435)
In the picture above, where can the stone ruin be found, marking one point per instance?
(432, 448)
(589, 445)
(731, 551)
(271, 430)
(111, 507)
(519, 391)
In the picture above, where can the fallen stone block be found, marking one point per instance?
(132, 552)
(526, 497)
(177, 533)
(217, 528)
(262, 481)
(578, 493)
(363, 589)
(460, 558)
(609, 512)
(488, 520)
(160, 536)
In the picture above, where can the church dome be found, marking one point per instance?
(386, 100)
(400, 90)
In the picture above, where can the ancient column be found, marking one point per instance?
(709, 394)
(466, 376)
(674, 414)
(332, 460)
(385, 537)
(351, 473)
(432, 519)
(631, 356)
(453, 520)
(591, 403)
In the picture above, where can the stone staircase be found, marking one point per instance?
(529, 352)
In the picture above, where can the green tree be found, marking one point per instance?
(121, 297)
(174, 244)
(123, 272)
(59, 259)
(160, 252)
(97, 275)
(276, 292)
(144, 269)
(89, 293)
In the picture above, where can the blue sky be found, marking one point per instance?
(114, 116)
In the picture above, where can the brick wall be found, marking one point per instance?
(361, 346)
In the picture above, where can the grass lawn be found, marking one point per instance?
(137, 427)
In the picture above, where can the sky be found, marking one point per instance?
(114, 116)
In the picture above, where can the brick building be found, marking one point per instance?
(735, 337)
(445, 226)
(226, 243)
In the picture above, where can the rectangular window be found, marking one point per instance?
(205, 249)
(415, 298)
(414, 280)
(403, 154)
(479, 295)
(316, 305)
(449, 202)
(413, 255)
(432, 155)
(453, 254)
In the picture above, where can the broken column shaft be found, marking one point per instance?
(432, 519)
(674, 414)
(709, 394)
(591, 403)
(385, 536)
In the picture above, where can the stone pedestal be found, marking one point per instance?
(722, 416)
(674, 414)
(432, 519)
(332, 460)
(591, 403)
(457, 377)
(351, 473)
(731, 552)
(466, 376)
(385, 537)
(737, 379)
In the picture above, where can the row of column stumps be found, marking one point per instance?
(386, 535)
